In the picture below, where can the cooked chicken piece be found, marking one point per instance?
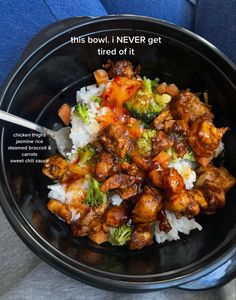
(147, 206)
(164, 224)
(95, 225)
(168, 124)
(187, 106)
(101, 208)
(215, 196)
(220, 176)
(142, 236)
(81, 227)
(129, 192)
(180, 143)
(172, 181)
(104, 166)
(156, 176)
(90, 225)
(162, 159)
(55, 167)
(177, 202)
(192, 210)
(181, 147)
(60, 209)
(118, 181)
(161, 142)
(115, 216)
(76, 191)
(159, 121)
(115, 140)
(119, 68)
(179, 126)
(197, 202)
(142, 162)
(204, 138)
(98, 237)
(197, 196)
(132, 170)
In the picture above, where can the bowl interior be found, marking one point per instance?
(51, 79)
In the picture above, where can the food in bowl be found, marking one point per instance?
(141, 164)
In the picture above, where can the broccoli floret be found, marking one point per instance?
(86, 154)
(94, 196)
(149, 85)
(143, 105)
(145, 142)
(172, 153)
(127, 159)
(190, 156)
(81, 111)
(120, 235)
(96, 99)
(154, 83)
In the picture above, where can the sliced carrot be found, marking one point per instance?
(65, 113)
(162, 159)
(101, 76)
(135, 132)
(172, 90)
(161, 88)
(134, 128)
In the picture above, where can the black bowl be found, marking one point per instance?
(48, 75)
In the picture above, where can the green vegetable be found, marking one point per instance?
(127, 159)
(190, 156)
(143, 106)
(163, 99)
(145, 142)
(94, 196)
(172, 153)
(86, 154)
(147, 85)
(120, 235)
(96, 99)
(81, 111)
(150, 85)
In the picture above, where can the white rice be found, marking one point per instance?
(81, 133)
(85, 93)
(219, 150)
(185, 169)
(183, 225)
(57, 192)
(115, 199)
(74, 216)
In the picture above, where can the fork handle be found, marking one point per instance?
(25, 123)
